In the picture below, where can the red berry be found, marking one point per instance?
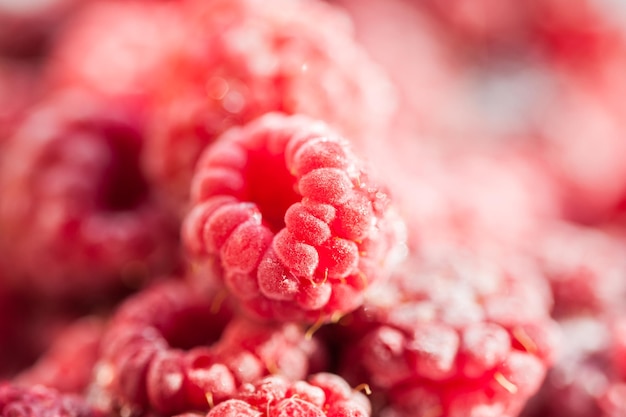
(75, 199)
(39, 401)
(68, 363)
(241, 59)
(323, 395)
(302, 225)
(113, 48)
(171, 350)
(454, 334)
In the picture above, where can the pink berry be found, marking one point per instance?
(303, 224)
(241, 59)
(454, 333)
(74, 198)
(40, 401)
(274, 396)
(170, 349)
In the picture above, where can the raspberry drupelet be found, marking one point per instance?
(299, 227)
(322, 395)
(77, 217)
(243, 58)
(172, 350)
(456, 334)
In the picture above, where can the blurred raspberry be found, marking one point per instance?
(469, 197)
(28, 27)
(583, 157)
(114, 48)
(243, 58)
(585, 267)
(586, 380)
(67, 365)
(170, 350)
(39, 401)
(456, 334)
(298, 225)
(77, 217)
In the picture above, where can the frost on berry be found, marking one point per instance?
(458, 333)
(321, 395)
(241, 59)
(77, 217)
(296, 223)
(171, 349)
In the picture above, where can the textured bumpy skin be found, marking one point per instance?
(453, 336)
(77, 218)
(241, 59)
(322, 395)
(298, 226)
(39, 401)
(170, 350)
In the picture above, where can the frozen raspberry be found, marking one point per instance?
(586, 268)
(299, 227)
(77, 217)
(68, 363)
(27, 28)
(586, 378)
(114, 48)
(171, 350)
(38, 401)
(241, 59)
(453, 335)
(275, 396)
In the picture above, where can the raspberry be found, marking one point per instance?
(75, 200)
(453, 334)
(27, 29)
(169, 351)
(114, 48)
(584, 266)
(323, 395)
(41, 401)
(586, 377)
(68, 363)
(299, 227)
(241, 59)
(19, 86)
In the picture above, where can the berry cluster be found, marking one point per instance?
(320, 208)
